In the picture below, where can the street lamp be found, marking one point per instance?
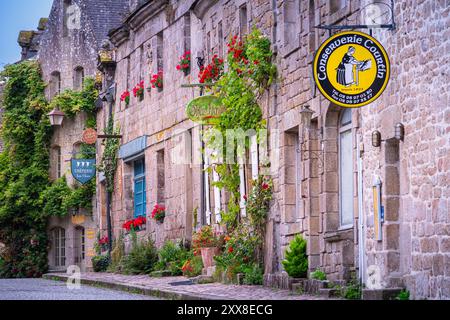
(56, 117)
(306, 116)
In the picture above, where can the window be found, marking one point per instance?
(67, 4)
(78, 78)
(55, 84)
(79, 245)
(336, 5)
(187, 32)
(220, 39)
(346, 169)
(56, 162)
(140, 199)
(160, 162)
(59, 245)
(291, 17)
(312, 30)
(243, 20)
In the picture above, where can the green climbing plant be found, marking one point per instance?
(24, 165)
(109, 161)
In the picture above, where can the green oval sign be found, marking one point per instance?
(205, 109)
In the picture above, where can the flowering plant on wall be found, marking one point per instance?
(212, 71)
(157, 80)
(125, 97)
(138, 90)
(159, 213)
(185, 62)
(134, 224)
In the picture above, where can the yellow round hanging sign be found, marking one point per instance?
(351, 69)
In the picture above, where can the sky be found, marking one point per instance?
(17, 15)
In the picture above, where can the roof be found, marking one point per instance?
(105, 15)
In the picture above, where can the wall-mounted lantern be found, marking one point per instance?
(376, 138)
(399, 131)
(306, 116)
(56, 117)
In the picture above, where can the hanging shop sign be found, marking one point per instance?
(89, 136)
(351, 69)
(83, 170)
(205, 109)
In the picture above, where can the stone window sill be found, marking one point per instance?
(339, 235)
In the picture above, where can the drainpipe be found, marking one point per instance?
(110, 99)
(361, 236)
(200, 63)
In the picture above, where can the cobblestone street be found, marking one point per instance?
(162, 287)
(40, 289)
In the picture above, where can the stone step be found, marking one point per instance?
(381, 294)
(329, 292)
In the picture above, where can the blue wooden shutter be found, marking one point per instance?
(140, 198)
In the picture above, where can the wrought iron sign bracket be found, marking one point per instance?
(389, 26)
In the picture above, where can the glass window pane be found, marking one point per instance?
(346, 117)
(346, 178)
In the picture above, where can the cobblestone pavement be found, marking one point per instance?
(162, 287)
(40, 289)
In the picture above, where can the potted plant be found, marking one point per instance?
(212, 71)
(125, 97)
(185, 63)
(207, 241)
(159, 213)
(157, 81)
(138, 90)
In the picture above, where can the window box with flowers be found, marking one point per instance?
(185, 63)
(157, 81)
(125, 97)
(159, 213)
(207, 241)
(138, 224)
(138, 91)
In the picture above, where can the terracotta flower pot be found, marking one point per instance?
(208, 255)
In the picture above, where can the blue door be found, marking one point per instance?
(140, 199)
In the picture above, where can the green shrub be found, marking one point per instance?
(403, 295)
(253, 275)
(100, 263)
(318, 275)
(117, 255)
(192, 267)
(141, 258)
(171, 257)
(296, 262)
(353, 290)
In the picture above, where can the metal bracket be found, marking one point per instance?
(390, 26)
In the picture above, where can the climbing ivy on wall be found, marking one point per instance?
(59, 198)
(250, 73)
(109, 161)
(24, 165)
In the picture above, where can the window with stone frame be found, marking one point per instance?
(78, 78)
(336, 5)
(66, 6)
(291, 25)
(58, 236)
(187, 34)
(243, 20)
(139, 189)
(55, 84)
(161, 177)
(220, 39)
(56, 162)
(345, 141)
(312, 30)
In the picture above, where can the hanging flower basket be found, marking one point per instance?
(159, 213)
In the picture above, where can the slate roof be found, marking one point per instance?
(104, 15)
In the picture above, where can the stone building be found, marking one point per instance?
(67, 44)
(321, 192)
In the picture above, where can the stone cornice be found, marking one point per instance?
(119, 35)
(201, 6)
(143, 13)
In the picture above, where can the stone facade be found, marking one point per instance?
(414, 249)
(67, 51)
